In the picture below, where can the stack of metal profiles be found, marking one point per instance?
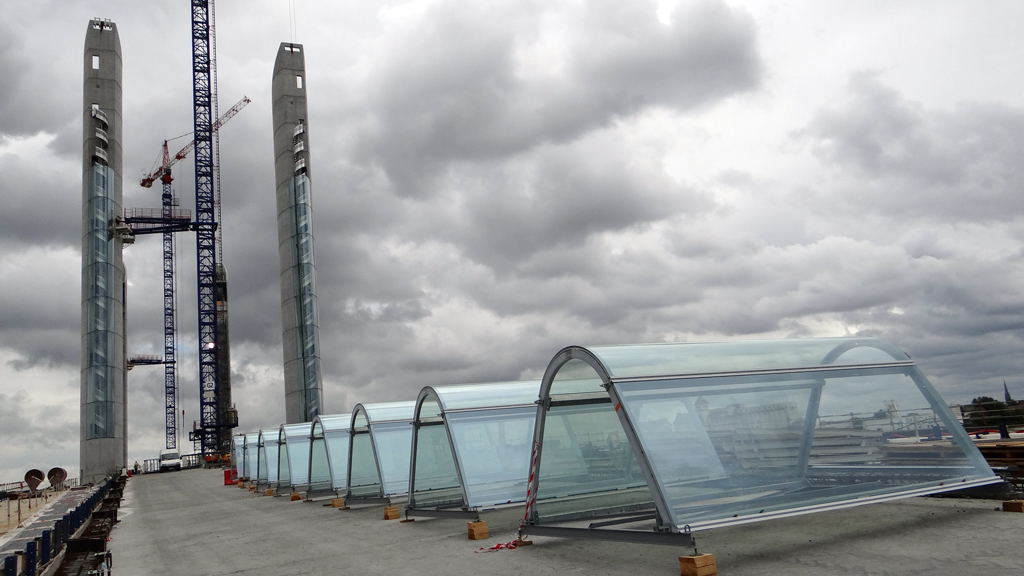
(471, 448)
(328, 454)
(652, 442)
(379, 451)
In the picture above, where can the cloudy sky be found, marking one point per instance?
(494, 180)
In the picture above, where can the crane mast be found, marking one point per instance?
(170, 220)
(206, 229)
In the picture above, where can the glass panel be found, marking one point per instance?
(494, 452)
(393, 443)
(705, 357)
(238, 455)
(272, 464)
(488, 395)
(365, 480)
(337, 454)
(251, 454)
(734, 447)
(576, 377)
(387, 411)
(429, 409)
(319, 469)
(284, 477)
(587, 467)
(437, 481)
(359, 421)
(298, 461)
(336, 421)
(261, 474)
(304, 288)
(102, 305)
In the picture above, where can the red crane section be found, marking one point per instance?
(165, 169)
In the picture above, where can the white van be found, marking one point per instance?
(170, 459)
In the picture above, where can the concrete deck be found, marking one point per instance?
(188, 523)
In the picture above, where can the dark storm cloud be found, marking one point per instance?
(35, 95)
(24, 430)
(960, 164)
(557, 196)
(40, 192)
(473, 82)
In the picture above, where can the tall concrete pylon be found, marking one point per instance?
(103, 428)
(299, 319)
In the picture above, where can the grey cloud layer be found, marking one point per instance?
(961, 164)
(487, 190)
(473, 83)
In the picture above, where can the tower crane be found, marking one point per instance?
(164, 171)
(169, 220)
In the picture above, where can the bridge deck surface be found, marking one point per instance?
(188, 523)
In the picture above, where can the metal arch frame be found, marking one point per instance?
(247, 465)
(238, 454)
(330, 460)
(281, 445)
(669, 533)
(262, 443)
(834, 354)
(283, 441)
(353, 432)
(663, 534)
(410, 510)
(531, 517)
(312, 443)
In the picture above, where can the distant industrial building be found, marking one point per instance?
(104, 448)
(301, 333)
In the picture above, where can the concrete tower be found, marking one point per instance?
(302, 381)
(104, 447)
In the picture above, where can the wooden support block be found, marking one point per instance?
(268, 492)
(296, 496)
(241, 484)
(478, 530)
(252, 488)
(391, 513)
(700, 565)
(521, 543)
(403, 521)
(1013, 506)
(337, 503)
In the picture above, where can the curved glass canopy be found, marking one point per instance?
(379, 450)
(266, 469)
(250, 454)
(328, 453)
(238, 455)
(293, 455)
(471, 447)
(700, 435)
